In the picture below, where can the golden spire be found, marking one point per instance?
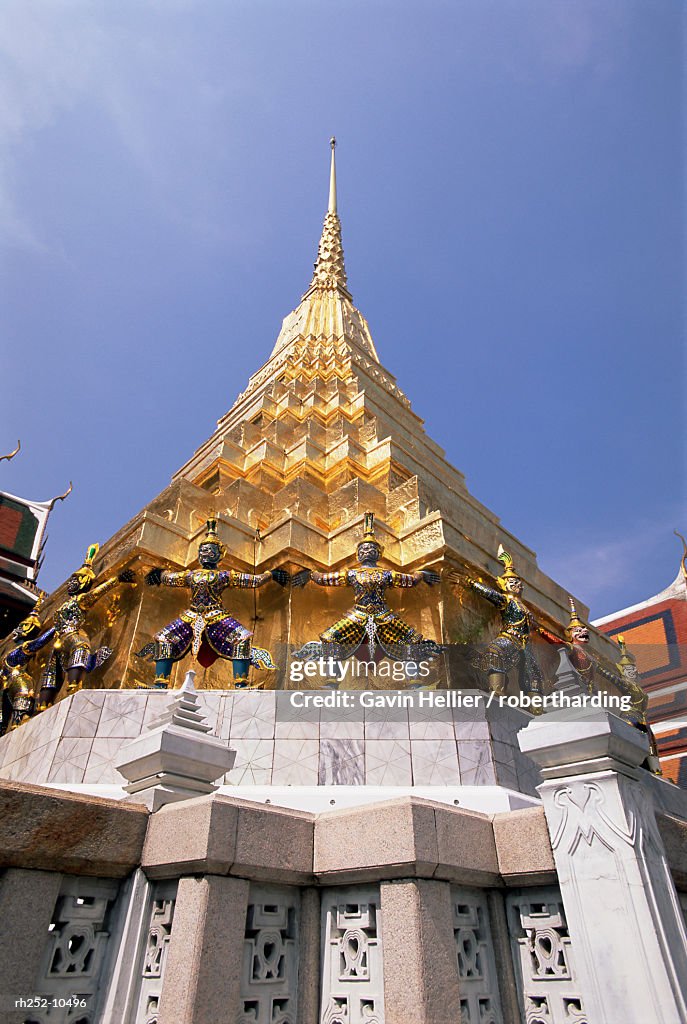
(330, 272)
(326, 312)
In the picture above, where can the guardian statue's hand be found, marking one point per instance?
(281, 576)
(301, 578)
(430, 577)
(154, 577)
(127, 576)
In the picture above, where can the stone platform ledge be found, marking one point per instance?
(407, 837)
(583, 740)
(43, 829)
(79, 739)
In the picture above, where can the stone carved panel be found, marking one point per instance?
(153, 954)
(71, 970)
(584, 815)
(269, 975)
(479, 995)
(610, 857)
(353, 982)
(543, 957)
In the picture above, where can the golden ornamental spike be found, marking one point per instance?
(61, 497)
(11, 454)
(575, 620)
(332, 178)
(626, 657)
(330, 272)
(507, 561)
(86, 573)
(683, 562)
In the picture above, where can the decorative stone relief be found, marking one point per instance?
(269, 976)
(479, 995)
(353, 983)
(153, 958)
(72, 966)
(614, 876)
(261, 376)
(544, 963)
(585, 815)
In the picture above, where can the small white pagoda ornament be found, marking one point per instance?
(175, 758)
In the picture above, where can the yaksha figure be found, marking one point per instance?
(512, 648)
(205, 628)
(576, 641)
(18, 698)
(72, 654)
(629, 684)
(370, 620)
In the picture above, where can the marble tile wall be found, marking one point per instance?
(79, 739)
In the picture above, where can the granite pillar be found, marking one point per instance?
(309, 958)
(28, 897)
(203, 974)
(419, 953)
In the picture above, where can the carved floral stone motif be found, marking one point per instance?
(543, 958)
(479, 995)
(155, 948)
(269, 976)
(76, 950)
(353, 983)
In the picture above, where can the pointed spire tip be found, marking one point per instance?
(332, 179)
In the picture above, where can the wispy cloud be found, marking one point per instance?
(600, 568)
(146, 85)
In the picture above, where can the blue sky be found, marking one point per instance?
(511, 193)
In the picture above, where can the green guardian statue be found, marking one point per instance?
(72, 654)
(370, 620)
(512, 648)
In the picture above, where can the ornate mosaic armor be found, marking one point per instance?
(205, 628)
(629, 685)
(512, 647)
(18, 696)
(72, 646)
(18, 703)
(370, 620)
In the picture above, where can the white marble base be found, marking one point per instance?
(79, 740)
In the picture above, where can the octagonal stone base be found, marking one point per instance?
(76, 743)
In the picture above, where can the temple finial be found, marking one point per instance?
(12, 454)
(332, 178)
(330, 272)
(683, 561)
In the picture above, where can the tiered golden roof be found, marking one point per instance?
(321, 434)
